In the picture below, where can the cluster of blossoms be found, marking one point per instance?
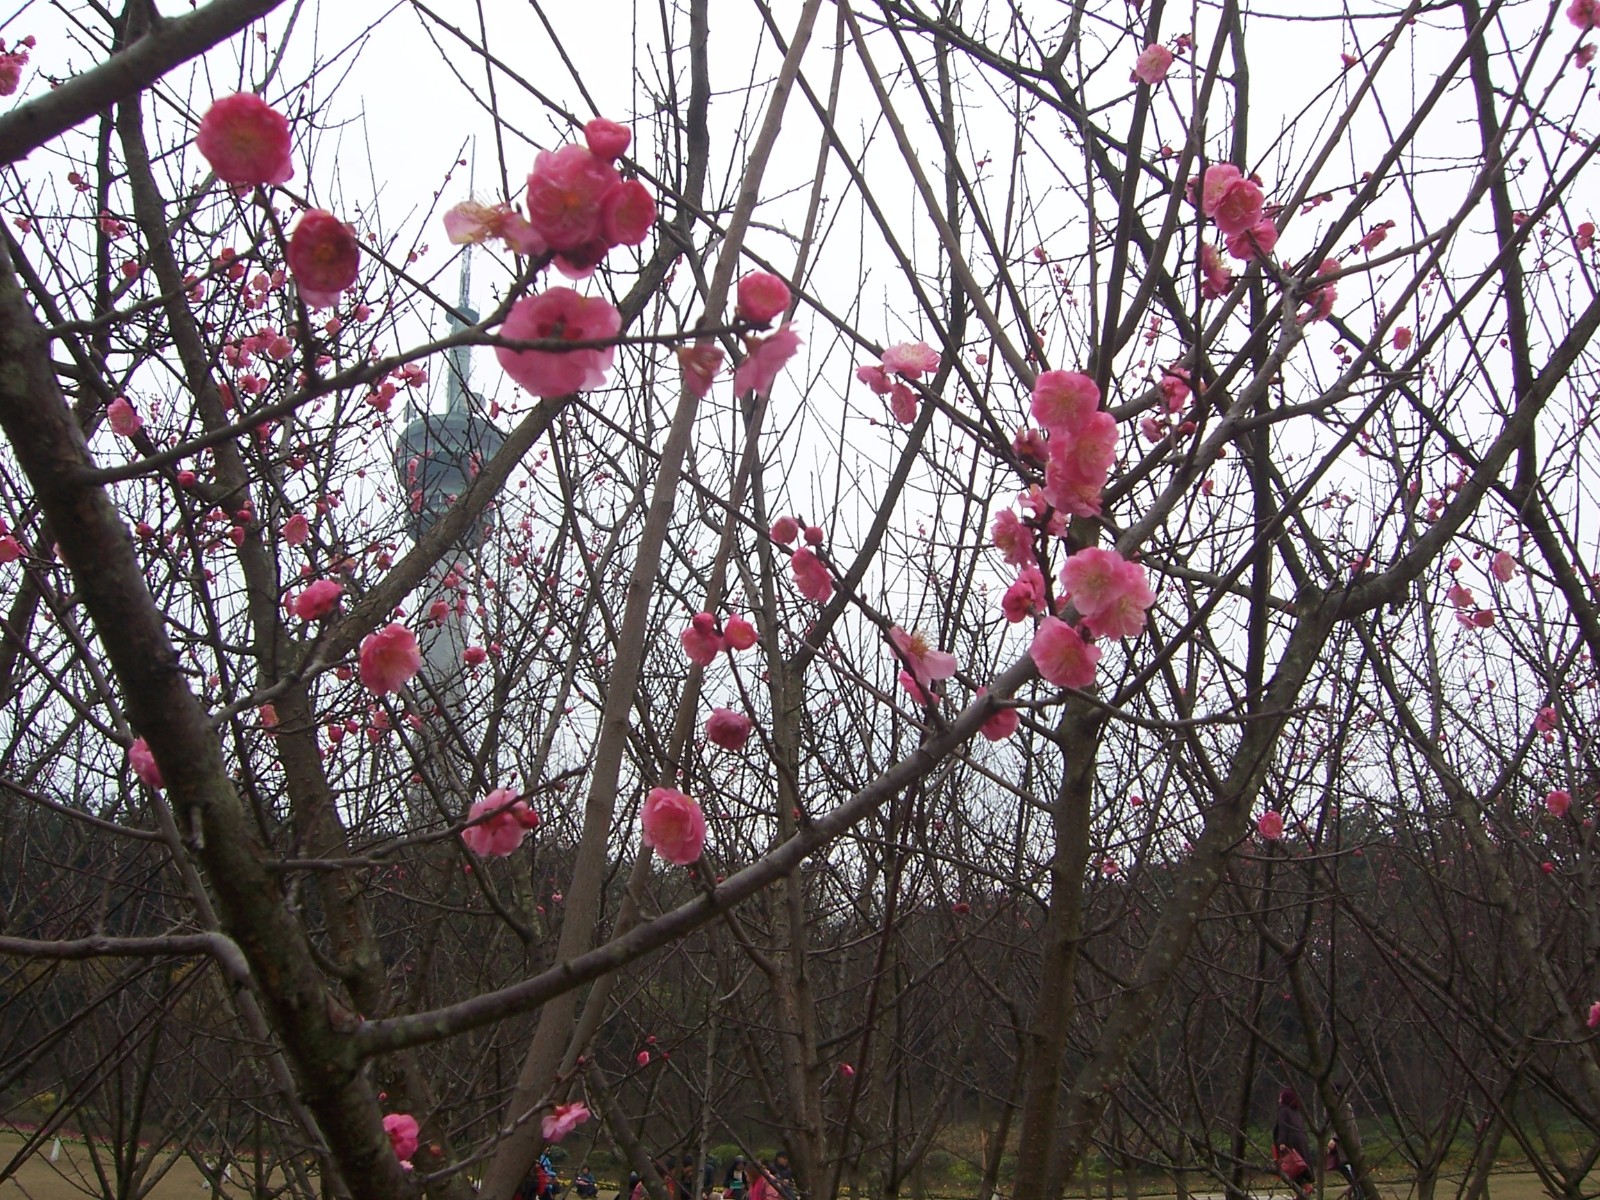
(1236, 204)
(498, 823)
(11, 64)
(760, 298)
(908, 360)
(246, 141)
(703, 641)
(810, 573)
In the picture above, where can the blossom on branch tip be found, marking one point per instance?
(1012, 538)
(245, 140)
(1557, 802)
(903, 404)
(559, 314)
(607, 139)
(11, 64)
(500, 822)
(403, 1134)
(323, 257)
(471, 223)
(701, 641)
(1503, 567)
(700, 366)
(1585, 14)
(673, 826)
(389, 658)
(1270, 825)
(785, 530)
(739, 633)
(319, 600)
(910, 359)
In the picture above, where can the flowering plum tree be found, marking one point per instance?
(995, 551)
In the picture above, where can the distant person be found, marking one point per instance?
(1290, 1149)
(1340, 1157)
(583, 1183)
(783, 1176)
(736, 1183)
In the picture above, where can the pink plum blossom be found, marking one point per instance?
(144, 765)
(1152, 65)
(701, 641)
(1585, 14)
(811, 576)
(1216, 277)
(499, 823)
(1594, 1015)
(10, 549)
(875, 378)
(910, 359)
(122, 418)
(1062, 656)
(319, 600)
(471, 223)
(1253, 241)
(1503, 566)
(1012, 538)
(926, 664)
(296, 530)
(11, 64)
(1270, 825)
(607, 139)
(728, 729)
(673, 826)
(1110, 592)
(323, 257)
(739, 633)
(1025, 596)
(1002, 724)
(245, 140)
(474, 656)
(1239, 207)
(559, 314)
(389, 658)
(700, 365)
(1219, 177)
(764, 358)
(903, 404)
(785, 530)
(566, 1117)
(404, 1134)
(565, 192)
(761, 297)
(627, 214)
(1557, 802)
(1547, 719)
(1063, 401)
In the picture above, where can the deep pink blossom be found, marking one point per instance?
(875, 378)
(501, 822)
(1503, 566)
(319, 600)
(1239, 207)
(1583, 238)
(701, 641)
(1152, 65)
(1319, 301)
(404, 1134)
(903, 404)
(474, 656)
(673, 826)
(124, 421)
(785, 530)
(1585, 14)
(764, 358)
(607, 139)
(1079, 465)
(627, 214)
(1594, 1015)
(1063, 401)
(1270, 825)
(1062, 656)
(144, 765)
(811, 576)
(761, 297)
(1025, 596)
(470, 223)
(1402, 337)
(296, 530)
(565, 192)
(1216, 277)
(728, 729)
(11, 64)
(1558, 801)
(389, 658)
(1547, 719)
(1219, 177)
(739, 633)
(700, 365)
(10, 549)
(1002, 724)
(245, 140)
(566, 1117)
(1110, 592)
(1012, 537)
(910, 359)
(926, 664)
(323, 257)
(559, 314)
(1253, 241)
